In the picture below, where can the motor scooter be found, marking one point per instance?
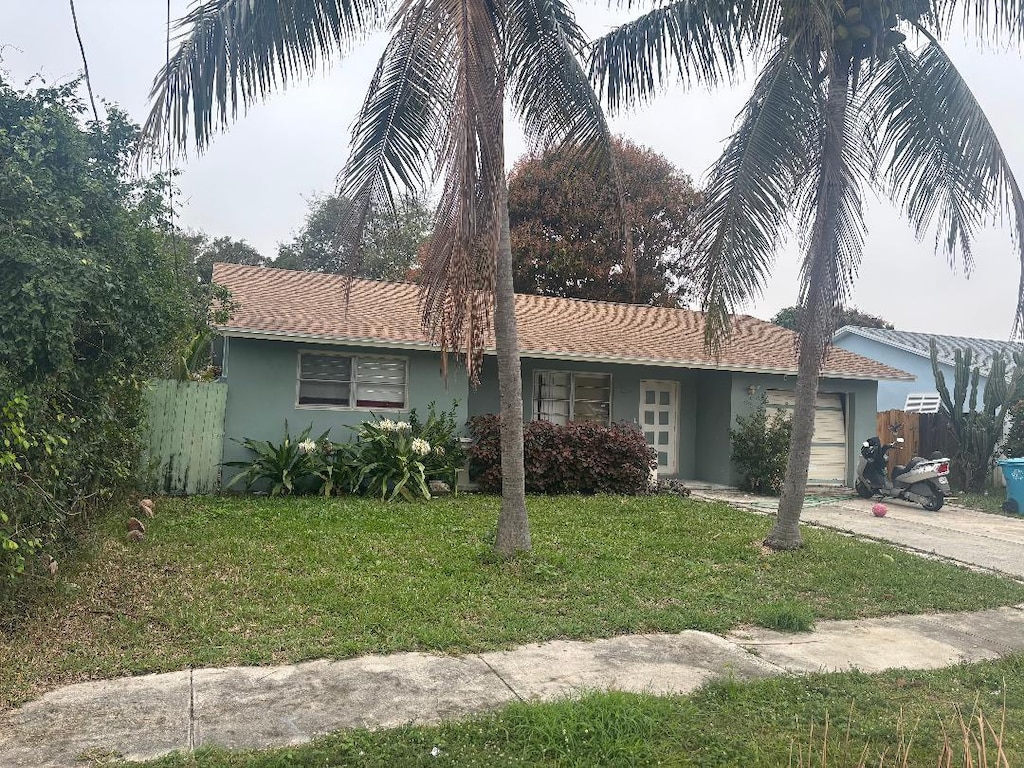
(922, 481)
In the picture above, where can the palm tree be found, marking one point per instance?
(435, 109)
(841, 104)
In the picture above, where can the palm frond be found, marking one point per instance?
(553, 95)
(395, 135)
(699, 42)
(989, 20)
(547, 83)
(751, 188)
(233, 53)
(459, 273)
(943, 161)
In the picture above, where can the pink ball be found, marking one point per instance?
(879, 509)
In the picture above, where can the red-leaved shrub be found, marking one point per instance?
(576, 458)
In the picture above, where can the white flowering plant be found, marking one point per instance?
(291, 466)
(389, 460)
(440, 430)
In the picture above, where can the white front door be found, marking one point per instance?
(659, 421)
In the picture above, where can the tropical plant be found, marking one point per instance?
(441, 430)
(841, 104)
(976, 432)
(289, 466)
(435, 109)
(390, 460)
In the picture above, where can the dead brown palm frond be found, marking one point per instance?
(459, 272)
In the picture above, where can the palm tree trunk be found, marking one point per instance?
(513, 524)
(816, 314)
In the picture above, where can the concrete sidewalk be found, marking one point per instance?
(143, 717)
(966, 536)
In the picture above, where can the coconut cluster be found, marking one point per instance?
(861, 29)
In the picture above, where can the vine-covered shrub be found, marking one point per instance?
(91, 307)
(576, 458)
(760, 449)
(387, 459)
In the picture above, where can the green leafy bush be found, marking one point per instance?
(576, 458)
(760, 449)
(1013, 446)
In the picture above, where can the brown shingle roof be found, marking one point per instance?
(311, 306)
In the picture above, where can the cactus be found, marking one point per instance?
(977, 433)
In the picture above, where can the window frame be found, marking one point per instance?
(572, 393)
(353, 384)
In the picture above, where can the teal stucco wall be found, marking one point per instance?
(261, 377)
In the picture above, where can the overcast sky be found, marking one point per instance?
(255, 180)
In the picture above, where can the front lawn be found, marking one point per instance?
(902, 718)
(260, 581)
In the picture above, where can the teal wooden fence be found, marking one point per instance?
(184, 436)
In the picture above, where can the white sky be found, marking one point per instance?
(255, 180)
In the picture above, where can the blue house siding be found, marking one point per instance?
(262, 378)
(893, 394)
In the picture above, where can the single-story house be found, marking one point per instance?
(910, 352)
(295, 351)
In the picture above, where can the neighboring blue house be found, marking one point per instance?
(909, 352)
(308, 349)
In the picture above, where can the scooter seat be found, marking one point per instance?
(898, 470)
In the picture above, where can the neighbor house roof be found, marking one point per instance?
(918, 344)
(311, 307)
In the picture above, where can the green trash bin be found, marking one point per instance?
(1013, 473)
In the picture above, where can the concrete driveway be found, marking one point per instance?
(975, 538)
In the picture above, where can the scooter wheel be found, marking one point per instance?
(934, 502)
(862, 490)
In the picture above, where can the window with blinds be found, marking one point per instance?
(344, 381)
(561, 397)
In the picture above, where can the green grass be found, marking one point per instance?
(260, 581)
(829, 719)
(786, 616)
(991, 502)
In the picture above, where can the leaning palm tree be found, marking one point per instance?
(841, 104)
(435, 110)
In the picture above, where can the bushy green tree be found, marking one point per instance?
(567, 233)
(91, 304)
(789, 317)
(389, 247)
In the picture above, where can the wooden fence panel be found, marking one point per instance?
(910, 431)
(183, 437)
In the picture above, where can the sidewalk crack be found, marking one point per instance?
(191, 710)
(497, 674)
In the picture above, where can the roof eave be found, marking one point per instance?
(542, 354)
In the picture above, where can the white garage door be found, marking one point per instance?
(828, 448)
